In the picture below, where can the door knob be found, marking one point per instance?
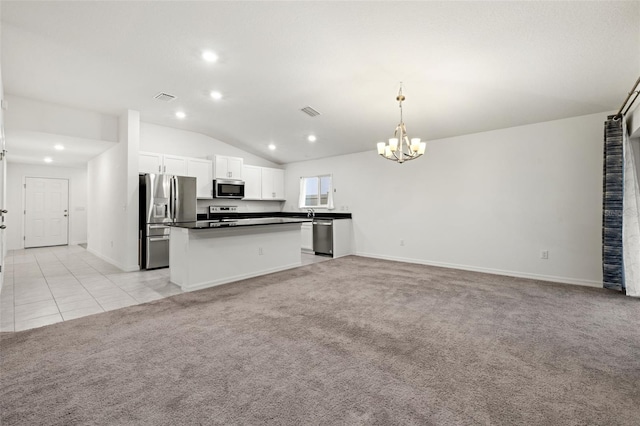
(3, 226)
(66, 215)
(3, 211)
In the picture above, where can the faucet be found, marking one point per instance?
(311, 213)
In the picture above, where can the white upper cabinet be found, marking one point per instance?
(272, 184)
(267, 184)
(150, 162)
(252, 182)
(263, 183)
(235, 167)
(228, 167)
(175, 165)
(278, 184)
(202, 170)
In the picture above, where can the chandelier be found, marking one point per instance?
(400, 147)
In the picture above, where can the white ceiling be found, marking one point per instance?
(32, 147)
(467, 67)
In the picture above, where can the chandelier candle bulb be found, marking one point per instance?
(393, 144)
(387, 151)
(423, 147)
(381, 146)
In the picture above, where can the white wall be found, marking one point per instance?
(167, 140)
(488, 201)
(113, 198)
(16, 174)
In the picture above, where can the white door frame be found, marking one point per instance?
(3, 191)
(3, 201)
(24, 205)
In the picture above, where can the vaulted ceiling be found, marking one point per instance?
(466, 67)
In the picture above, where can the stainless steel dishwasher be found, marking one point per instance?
(323, 236)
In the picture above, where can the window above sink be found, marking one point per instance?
(316, 192)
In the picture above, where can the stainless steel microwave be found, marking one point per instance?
(227, 188)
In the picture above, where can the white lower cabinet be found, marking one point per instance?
(307, 236)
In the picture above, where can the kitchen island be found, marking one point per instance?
(208, 253)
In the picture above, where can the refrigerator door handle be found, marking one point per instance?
(172, 200)
(176, 199)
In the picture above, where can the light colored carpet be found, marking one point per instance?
(349, 341)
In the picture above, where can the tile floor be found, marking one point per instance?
(52, 284)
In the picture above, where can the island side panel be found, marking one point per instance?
(342, 238)
(178, 256)
(209, 257)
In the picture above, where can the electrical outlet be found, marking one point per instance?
(544, 254)
(260, 251)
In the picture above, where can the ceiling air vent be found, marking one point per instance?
(164, 97)
(310, 111)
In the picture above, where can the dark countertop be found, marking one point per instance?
(301, 215)
(228, 223)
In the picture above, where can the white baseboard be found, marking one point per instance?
(227, 280)
(125, 268)
(551, 278)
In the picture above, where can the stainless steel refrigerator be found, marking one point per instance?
(164, 199)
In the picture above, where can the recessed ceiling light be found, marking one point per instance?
(59, 147)
(209, 56)
(180, 114)
(311, 138)
(272, 146)
(216, 95)
(47, 159)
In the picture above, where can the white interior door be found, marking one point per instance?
(46, 212)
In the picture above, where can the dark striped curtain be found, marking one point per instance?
(613, 191)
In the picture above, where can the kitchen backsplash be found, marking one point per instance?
(243, 206)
